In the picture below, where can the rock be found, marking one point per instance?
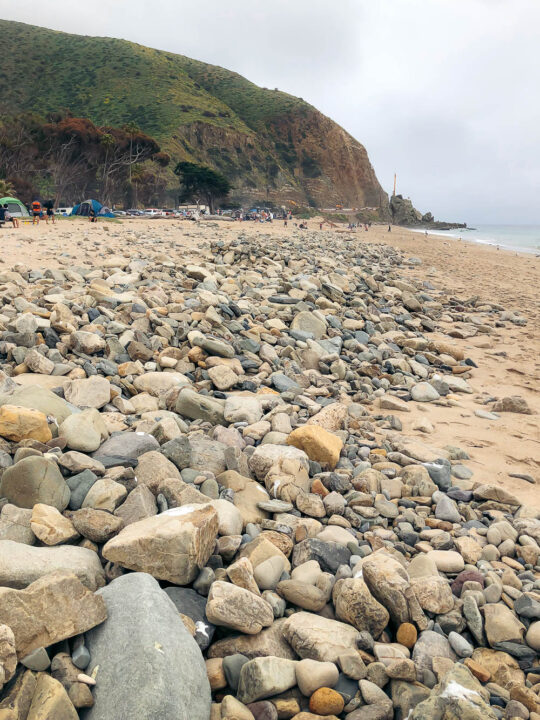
(458, 695)
(223, 377)
(128, 444)
(447, 561)
(92, 392)
(8, 655)
(429, 645)
(84, 431)
(21, 565)
(319, 638)
(433, 594)
(20, 423)
(55, 607)
(267, 456)
(207, 454)
(407, 635)
(159, 383)
(307, 597)
(153, 658)
(265, 677)
(424, 392)
(87, 342)
(268, 643)
(388, 582)
(50, 526)
(501, 625)
(18, 696)
(514, 404)
(310, 323)
(233, 708)
(329, 555)
(96, 525)
(50, 700)
(326, 701)
(38, 398)
(233, 607)
(355, 605)
(172, 546)
(268, 572)
(15, 524)
(38, 660)
(312, 675)
(153, 468)
(192, 405)
(139, 504)
(104, 494)
(318, 444)
(532, 638)
(35, 480)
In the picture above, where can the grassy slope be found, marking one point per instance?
(114, 81)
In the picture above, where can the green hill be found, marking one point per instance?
(270, 144)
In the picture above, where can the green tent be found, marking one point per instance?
(14, 206)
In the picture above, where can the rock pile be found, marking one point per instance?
(209, 508)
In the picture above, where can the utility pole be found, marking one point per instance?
(395, 176)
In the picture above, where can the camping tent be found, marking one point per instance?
(87, 205)
(15, 207)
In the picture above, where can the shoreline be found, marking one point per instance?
(496, 246)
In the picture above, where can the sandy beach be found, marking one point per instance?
(507, 357)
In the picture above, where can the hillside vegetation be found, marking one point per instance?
(272, 146)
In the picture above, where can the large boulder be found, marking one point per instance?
(267, 456)
(21, 565)
(34, 480)
(53, 608)
(20, 423)
(148, 666)
(192, 405)
(41, 399)
(172, 546)
(207, 454)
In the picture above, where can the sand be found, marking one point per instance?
(508, 358)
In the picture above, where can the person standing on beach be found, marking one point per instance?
(36, 212)
(49, 212)
(389, 228)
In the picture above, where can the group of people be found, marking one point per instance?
(6, 216)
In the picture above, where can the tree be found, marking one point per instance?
(200, 181)
(5, 188)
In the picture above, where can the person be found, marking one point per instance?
(389, 228)
(426, 233)
(2, 214)
(8, 216)
(49, 210)
(36, 212)
(92, 215)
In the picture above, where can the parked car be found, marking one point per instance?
(153, 212)
(135, 212)
(119, 213)
(63, 211)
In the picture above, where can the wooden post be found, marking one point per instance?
(395, 183)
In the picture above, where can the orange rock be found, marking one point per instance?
(479, 672)
(319, 488)
(407, 635)
(326, 701)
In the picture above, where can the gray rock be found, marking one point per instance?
(195, 406)
(79, 485)
(35, 480)
(446, 509)
(127, 444)
(190, 603)
(147, 663)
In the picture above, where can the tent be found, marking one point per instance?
(84, 208)
(15, 207)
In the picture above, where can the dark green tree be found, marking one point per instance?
(199, 182)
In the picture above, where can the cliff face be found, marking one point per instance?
(271, 145)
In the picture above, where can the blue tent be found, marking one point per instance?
(83, 209)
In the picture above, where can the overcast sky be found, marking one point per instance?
(443, 92)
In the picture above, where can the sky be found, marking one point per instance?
(445, 93)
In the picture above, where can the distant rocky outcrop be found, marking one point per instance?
(404, 213)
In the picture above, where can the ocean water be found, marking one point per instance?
(522, 238)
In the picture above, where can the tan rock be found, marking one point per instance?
(94, 392)
(503, 668)
(356, 605)
(173, 545)
(501, 625)
(153, 467)
(53, 608)
(433, 593)
(318, 444)
(268, 643)
(51, 701)
(216, 676)
(139, 504)
(105, 494)
(331, 418)
(8, 655)
(241, 573)
(50, 526)
(233, 607)
(260, 549)
(18, 697)
(319, 638)
(19, 423)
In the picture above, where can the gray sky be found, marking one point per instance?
(444, 92)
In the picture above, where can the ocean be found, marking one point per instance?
(522, 238)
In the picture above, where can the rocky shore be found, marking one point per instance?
(211, 506)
